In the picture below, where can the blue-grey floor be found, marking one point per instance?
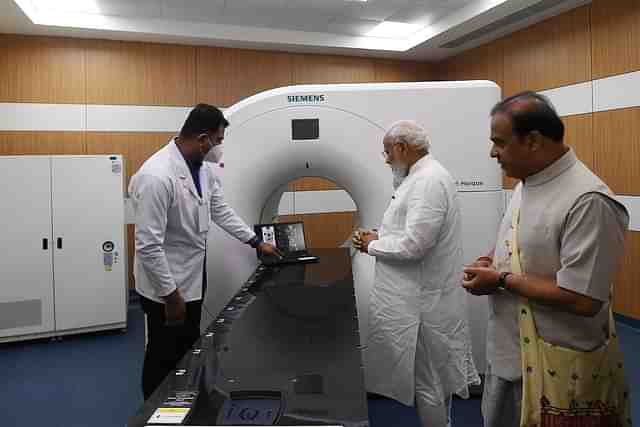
(93, 380)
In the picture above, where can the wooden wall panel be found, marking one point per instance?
(327, 230)
(42, 69)
(579, 135)
(125, 73)
(616, 37)
(41, 143)
(617, 149)
(134, 147)
(318, 69)
(482, 63)
(401, 71)
(553, 53)
(626, 294)
(226, 76)
(64, 70)
(313, 184)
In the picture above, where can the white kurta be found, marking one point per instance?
(417, 297)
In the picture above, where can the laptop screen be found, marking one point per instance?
(286, 236)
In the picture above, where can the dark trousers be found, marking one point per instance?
(166, 345)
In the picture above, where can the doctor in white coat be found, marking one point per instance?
(175, 196)
(419, 347)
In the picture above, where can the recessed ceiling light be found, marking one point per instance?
(393, 30)
(42, 10)
(75, 6)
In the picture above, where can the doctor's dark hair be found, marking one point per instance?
(530, 111)
(203, 118)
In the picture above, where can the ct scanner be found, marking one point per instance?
(335, 132)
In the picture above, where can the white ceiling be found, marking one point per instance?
(326, 26)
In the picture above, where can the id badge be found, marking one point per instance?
(203, 217)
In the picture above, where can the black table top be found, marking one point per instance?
(284, 351)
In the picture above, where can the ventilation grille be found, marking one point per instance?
(508, 20)
(20, 314)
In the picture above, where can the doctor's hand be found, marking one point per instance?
(175, 309)
(481, 279)
(269, 250)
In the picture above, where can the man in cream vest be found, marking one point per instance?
(571, 241)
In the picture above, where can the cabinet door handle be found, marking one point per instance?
(45, 244)
(59, 242)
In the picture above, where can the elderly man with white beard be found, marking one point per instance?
(419, 346)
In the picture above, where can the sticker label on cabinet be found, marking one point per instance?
(116, 167)
(109, 255)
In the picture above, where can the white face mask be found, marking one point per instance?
(399, 172)
(214, 155)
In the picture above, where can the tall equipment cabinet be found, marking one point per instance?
(63, 261)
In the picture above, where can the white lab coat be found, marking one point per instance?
(417, 294)
(172, 223)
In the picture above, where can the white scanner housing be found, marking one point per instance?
(339, 132)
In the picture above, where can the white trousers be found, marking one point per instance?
(434, 416)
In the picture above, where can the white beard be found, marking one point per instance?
(399, 172)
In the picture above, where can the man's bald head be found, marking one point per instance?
(529, 112)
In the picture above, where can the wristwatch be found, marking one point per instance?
(502, 281)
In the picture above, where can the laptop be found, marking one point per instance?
(288, 237)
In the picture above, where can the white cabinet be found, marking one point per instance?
(63, 261)
(26, 267)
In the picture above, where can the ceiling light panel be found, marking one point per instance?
(72, 6)
(393, 30)
(131, 9)
(423, 13)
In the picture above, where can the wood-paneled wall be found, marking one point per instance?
(553, 53)
(615, 37)
(617, 151)
(483, 63)
(312, 184)
(627, 292)
(42, 143)
(594, 41)
(63, 70)
(550, 54)
(44, 70)
(125, 73)
(252, 72)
